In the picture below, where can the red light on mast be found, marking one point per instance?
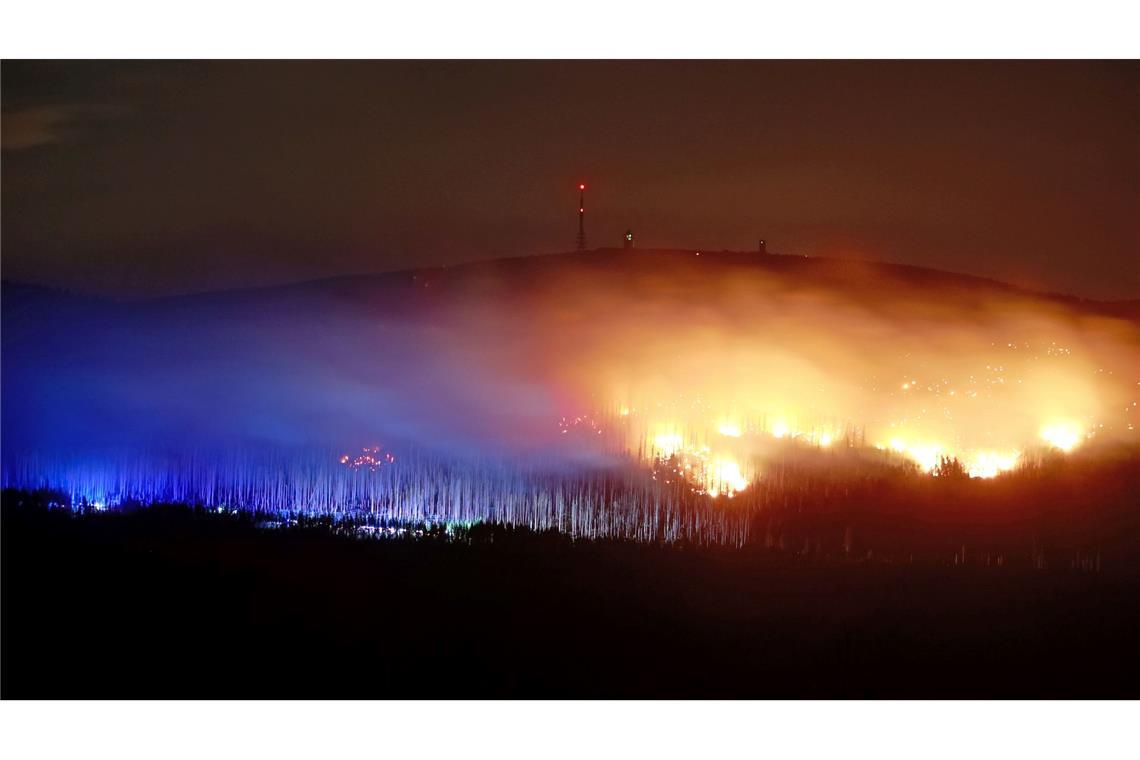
(582, 186)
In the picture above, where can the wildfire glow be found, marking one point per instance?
(990, 464)
(1061, 435)
(752, 367)
(694, 461)
(666, 445)
(925, 455)
(730, 429)
(724, 476)
(715, 376)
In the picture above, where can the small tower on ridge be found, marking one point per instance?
(581, 216)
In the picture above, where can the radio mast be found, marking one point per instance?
(581, 216)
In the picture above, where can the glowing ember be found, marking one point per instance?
(371, 458)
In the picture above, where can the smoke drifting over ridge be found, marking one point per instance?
(698, 351)
(708, 357)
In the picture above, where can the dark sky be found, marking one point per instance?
(145, 178)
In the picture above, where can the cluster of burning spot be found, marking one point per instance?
(717, 470)
(984, 463)
(713, 466)
(580, 423)
(706, 472)
(371, 458)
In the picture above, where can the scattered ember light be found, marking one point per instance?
(371, 457)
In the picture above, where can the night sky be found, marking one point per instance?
(149, 178)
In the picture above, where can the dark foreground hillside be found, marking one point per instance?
(169, 603)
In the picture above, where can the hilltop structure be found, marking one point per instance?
(581, 216)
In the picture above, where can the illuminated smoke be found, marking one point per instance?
(629, 394)
(719, 359)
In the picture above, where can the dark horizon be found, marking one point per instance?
(137, 179)
(946, 276)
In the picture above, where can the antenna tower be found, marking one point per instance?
(582, 216)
